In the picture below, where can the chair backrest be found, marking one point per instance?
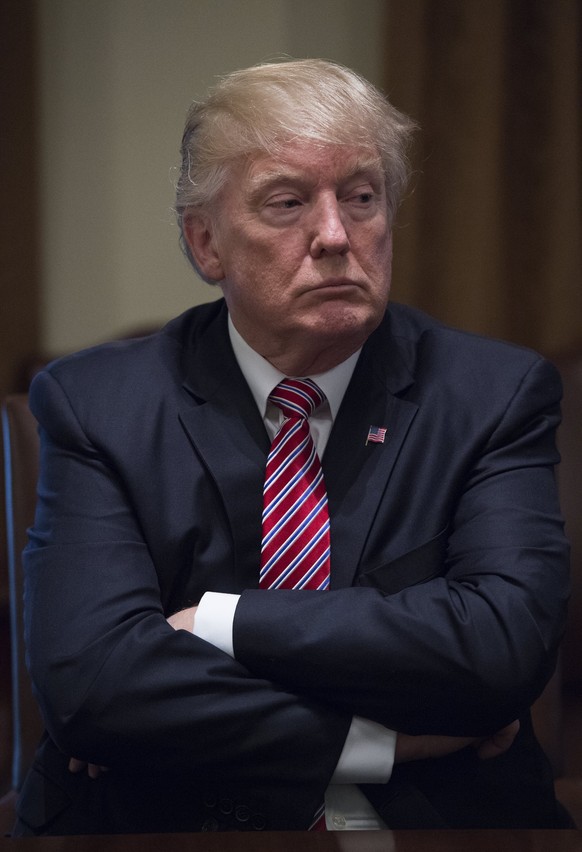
(551, 708)
(570, 484)
(21, 461)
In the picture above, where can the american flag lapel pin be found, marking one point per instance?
(376, 435)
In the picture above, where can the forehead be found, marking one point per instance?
(310, 164)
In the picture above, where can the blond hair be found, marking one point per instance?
(263, 108)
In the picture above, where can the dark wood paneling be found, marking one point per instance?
(19, 287)
(19, 150)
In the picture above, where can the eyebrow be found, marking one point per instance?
(259, 183)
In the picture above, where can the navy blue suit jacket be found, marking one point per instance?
(447, 601)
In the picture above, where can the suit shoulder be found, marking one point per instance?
(421, 329)
(135, 355)
(464, 361)
(121, 371)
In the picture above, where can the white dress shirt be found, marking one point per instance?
(368, 753)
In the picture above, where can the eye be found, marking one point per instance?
(283, 203)
(363, 198)
(282, 210)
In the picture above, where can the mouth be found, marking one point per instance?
(334, 285)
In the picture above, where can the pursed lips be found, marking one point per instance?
(333, 284)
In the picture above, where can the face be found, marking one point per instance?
(302, 248)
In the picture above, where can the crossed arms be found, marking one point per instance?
(483, 631)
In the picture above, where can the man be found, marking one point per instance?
(170, 641)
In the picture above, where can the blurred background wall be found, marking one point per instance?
(489, 238)
(94, 95)
(110, 84)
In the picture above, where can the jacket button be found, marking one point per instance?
(242, 813)
(226, 806)
(258, 822)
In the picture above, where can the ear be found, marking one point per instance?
(198, 231)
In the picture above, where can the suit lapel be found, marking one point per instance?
(228, 434)
(356, 473)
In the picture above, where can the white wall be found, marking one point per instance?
(117, 77)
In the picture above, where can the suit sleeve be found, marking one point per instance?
(116, 684)
(468, 650)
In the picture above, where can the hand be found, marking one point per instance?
(93, 770)
(498, 743)
(429, 746)
(183, 620)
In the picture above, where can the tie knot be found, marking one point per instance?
(297, 397)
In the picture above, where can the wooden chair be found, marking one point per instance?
(21, 460)
(569, 781)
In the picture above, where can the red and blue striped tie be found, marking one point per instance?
(295, 548)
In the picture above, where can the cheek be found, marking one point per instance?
(380, 252)
(276, 266)
(255, 290)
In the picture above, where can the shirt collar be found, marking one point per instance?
(262, 377)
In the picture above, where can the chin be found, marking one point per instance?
(347, 320)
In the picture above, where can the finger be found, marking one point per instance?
(94, 771)
(184, 619)
(490, 748)
(76, 765)
(499, 743)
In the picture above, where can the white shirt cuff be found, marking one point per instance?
(215, 618)
(368, 754)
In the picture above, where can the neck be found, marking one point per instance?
(305, 354)
(311, 364)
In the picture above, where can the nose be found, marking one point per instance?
(329, 233)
